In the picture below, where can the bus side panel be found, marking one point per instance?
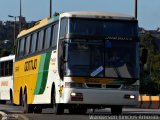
(52, 76)
(25, 75)
(6, 84)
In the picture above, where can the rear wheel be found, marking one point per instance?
(116, 110)
(27, 108)
(2, 101)
(11, 97)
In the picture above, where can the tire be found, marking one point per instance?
(116, 110)
(11, 97)
(2, 101)
(37, 109)
(58, 108)
(77, 110)
(27, 108)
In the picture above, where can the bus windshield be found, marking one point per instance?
(97, 27)
(102, 58)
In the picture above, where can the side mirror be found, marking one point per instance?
(144, 56)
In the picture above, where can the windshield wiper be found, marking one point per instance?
(117, 71)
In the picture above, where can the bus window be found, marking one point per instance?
(2, 69)
(34, 42)
(40, 40)
(10, 67)
(21, 50)
(17, 51)
(6, 68)
(47, 37)
(27, 45)
(63, 28)
(54, 35)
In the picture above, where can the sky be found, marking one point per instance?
(33, 10)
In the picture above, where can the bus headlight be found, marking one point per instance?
(76, 96)
(129, 96)
(130, 87)
(73, 85)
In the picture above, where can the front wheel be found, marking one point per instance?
(77, 110)
(116, 110)
(58, 108)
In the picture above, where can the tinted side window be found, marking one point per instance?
(40, 40)
(54, 35)
(10, 67)
(2, 69)
(63, 28)
(17, 51)
(6, 68)
(34, 42)
(21, 50)
(47, 37)
(27, 48)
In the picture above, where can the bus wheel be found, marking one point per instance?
(11, 97)
(58, 109)
(2, 101)
(37, 109)
(77, 110)
(27, 108)
(116, 110)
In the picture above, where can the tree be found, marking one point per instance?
(150, 79)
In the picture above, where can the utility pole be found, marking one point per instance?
(20, 17)
(11, 16)
(50, 9)
(136, 8)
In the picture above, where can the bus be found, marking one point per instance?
(78, 61)
(6, 78)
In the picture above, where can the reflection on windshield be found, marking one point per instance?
(103, 27)
(84, 58)
(120, 60)
(115, 59)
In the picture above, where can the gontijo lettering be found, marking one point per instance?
(30, 65)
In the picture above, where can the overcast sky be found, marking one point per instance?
(148, 10)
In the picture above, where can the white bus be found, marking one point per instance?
(77, 61)
(6, 78)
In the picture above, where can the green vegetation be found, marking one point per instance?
(150, 72)
(7, 36)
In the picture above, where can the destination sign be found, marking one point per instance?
(118, 38)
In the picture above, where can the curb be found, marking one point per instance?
(149, 101)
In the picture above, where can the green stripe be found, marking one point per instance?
(42, 73)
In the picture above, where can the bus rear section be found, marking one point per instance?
(6, 78)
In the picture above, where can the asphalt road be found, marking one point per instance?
(15, 113)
